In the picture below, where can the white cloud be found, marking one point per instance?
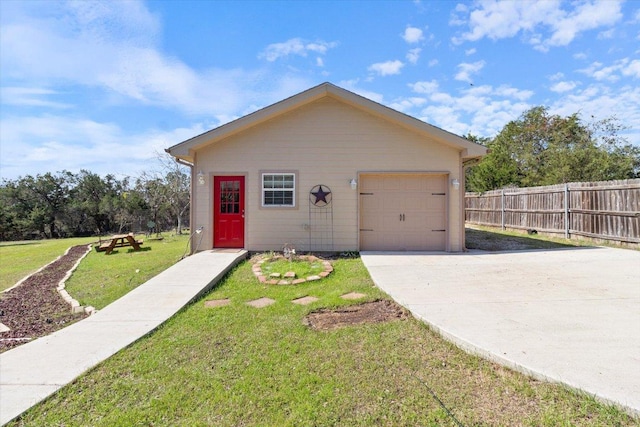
(633, 69)
(605, 35)
(387, 68)
(424, 87)
(544, 24)
(407, 104)
(53, 143)
(433, 62)
(31, 97)
(469, 52)
(111, 46)
(412, 35)
(612, 73)
(597, 102)
(561, 87)
(295, 46)
(510, 92)
(481, 110)
(352, 85)
(413, 55)
(467, 69)
(586, 16)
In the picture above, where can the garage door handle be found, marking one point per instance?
(401, 217)
(439, 230)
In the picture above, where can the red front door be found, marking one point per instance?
(228, 208)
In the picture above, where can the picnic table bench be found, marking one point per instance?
(119, 241)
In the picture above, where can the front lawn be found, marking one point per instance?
(19, 259)
(239, 365)
(101, 279)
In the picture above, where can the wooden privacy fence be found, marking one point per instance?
(608, 210)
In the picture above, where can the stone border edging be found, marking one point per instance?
(75, 305)
(257, 271)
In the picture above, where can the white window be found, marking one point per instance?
(279, 190)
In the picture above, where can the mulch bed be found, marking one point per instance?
(35, 309)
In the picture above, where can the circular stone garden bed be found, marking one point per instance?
(278, 270)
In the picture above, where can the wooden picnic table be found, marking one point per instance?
(119, 241)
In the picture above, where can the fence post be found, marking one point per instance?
(566, 211)
(502, 209)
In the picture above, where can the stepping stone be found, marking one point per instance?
(289, 275)
(353, 295)
(275, 275)
(261, 302)
(305, 300)
(4, 328)
(217, 303)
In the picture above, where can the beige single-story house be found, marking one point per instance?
(328, 170)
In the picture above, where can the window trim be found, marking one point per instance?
(294, 190)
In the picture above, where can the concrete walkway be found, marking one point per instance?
(569, 315)
(33, 371)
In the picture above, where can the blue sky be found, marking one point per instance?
(105, 86)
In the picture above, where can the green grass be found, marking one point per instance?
(19, 259)
(238, 365)
(101, 279)
(301, 267)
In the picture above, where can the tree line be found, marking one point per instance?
(65, 204)
(540, 148)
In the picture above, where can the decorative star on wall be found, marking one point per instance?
(320, 196)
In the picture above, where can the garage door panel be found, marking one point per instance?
(437, 184)
(390, 183)
(415, 203)
(371, 204)
(414, 184)
(403, 212)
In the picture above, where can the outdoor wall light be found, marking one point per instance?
(200, 177)
(455, 183)
(353, 183)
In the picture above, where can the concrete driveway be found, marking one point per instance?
(565, 315)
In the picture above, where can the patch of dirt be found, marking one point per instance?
(488, 241)
(370, 312)
(35, 309)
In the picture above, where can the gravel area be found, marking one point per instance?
(35, 308)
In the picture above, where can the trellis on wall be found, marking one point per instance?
(320, 218)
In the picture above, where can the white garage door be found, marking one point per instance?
(403, 212)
